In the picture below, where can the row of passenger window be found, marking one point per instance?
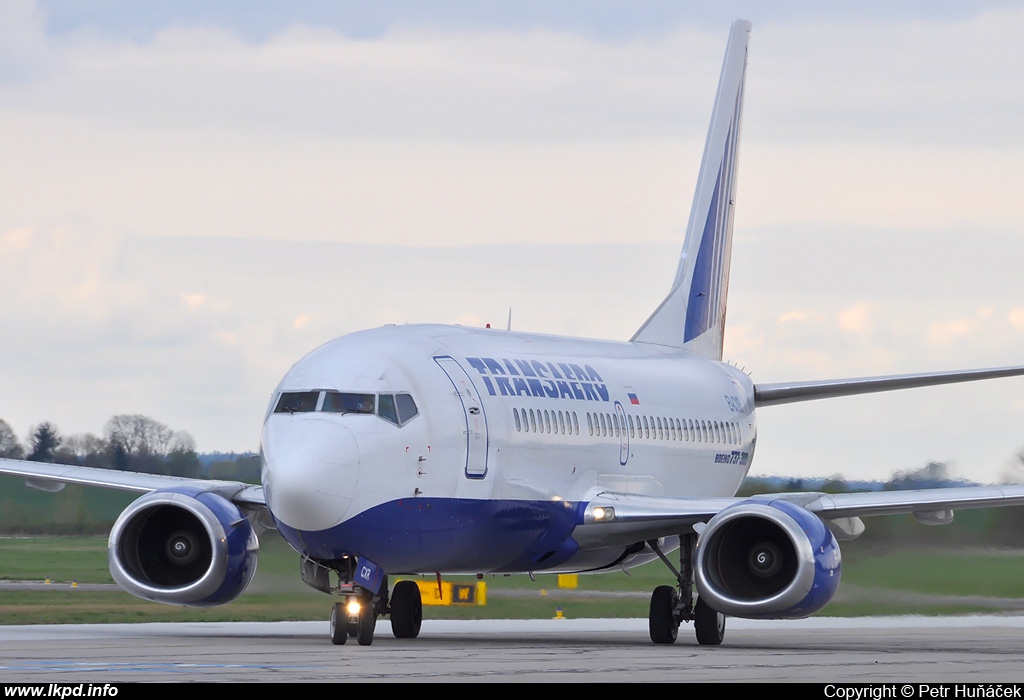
(641, 427)
(530, 421)
(395, 408)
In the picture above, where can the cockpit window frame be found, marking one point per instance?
(301, 396)
(400, 402)
(348, 402)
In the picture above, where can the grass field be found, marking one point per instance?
(874, 582)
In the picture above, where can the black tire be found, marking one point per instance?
(367, 622)
(663, 623)
(339, 624)
(708, 624)
(406, 610)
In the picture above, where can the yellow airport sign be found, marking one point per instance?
(452, 593)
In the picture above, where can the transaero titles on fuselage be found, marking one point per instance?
(554, 380)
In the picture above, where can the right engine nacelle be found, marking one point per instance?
(183, 546)
(766, 559)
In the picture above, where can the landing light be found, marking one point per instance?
(352, 607)
(604, 513)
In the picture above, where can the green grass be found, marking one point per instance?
(82, 559)
(876, 582)
(996, 573)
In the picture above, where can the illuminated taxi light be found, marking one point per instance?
(604, 513)
(352, 607)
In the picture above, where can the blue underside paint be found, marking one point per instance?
(421, 535)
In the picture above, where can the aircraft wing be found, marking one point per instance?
(623, 518)
(52, 477)
(791, 392)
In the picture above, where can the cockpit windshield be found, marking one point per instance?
(297, 402)
(394, 408)
(337, 402)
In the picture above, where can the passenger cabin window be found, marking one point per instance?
(297, 402)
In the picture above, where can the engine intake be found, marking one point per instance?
(767, 559)
(183, 546)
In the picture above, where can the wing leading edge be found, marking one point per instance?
(791, 392)
(622, 518)
(52, 477)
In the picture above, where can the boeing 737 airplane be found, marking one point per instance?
(423, 449)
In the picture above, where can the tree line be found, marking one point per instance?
(130, 442)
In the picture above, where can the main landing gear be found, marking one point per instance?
(356, 616)
(671, 605)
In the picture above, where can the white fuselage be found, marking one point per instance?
(508, 426)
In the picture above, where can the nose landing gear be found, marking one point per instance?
(356, 615)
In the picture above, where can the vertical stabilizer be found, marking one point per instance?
(692, 316)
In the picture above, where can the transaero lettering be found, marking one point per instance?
(553, 380)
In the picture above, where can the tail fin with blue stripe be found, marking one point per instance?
(692, 316)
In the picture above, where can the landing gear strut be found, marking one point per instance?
(672, 605)
(356, 615)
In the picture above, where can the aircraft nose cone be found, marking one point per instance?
(310, 470)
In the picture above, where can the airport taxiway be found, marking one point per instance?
(862, 650)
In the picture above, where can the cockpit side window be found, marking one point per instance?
(297, 402)
(386, 408)
(339, 402)
(406, 408)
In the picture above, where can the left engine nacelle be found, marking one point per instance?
(766, 559)
(183, 546)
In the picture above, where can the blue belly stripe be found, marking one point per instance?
(422, 535)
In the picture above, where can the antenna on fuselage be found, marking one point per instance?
(508, 326)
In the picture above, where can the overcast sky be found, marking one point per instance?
(196, 194)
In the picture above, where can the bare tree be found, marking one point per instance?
(140, 443)
(85, 449)
(182, 442)
(83, 445)
(138, 435)
(9, 445)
